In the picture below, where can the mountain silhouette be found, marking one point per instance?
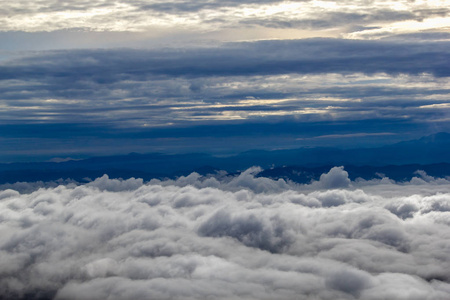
(398, 160)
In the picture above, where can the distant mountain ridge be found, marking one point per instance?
(399, 173)
(429, 150)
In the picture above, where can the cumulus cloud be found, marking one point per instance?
(336, 178)
(243, 237)
(28, 187)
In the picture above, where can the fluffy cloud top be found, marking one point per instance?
(242, 237)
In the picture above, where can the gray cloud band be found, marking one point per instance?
(313, 56)
(157, 87)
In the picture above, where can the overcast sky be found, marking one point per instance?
(80, 78)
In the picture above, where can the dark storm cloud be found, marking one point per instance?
(235, 237)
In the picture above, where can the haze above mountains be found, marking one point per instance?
(397, 161)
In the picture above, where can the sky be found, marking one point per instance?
(88, 78)
(229, 237)
(93, 78)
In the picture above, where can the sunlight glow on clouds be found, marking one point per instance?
(228, 237)
(403, 27)
(377, 17)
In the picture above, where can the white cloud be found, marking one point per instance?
(229, 20)
(336, 178)
(241, 237)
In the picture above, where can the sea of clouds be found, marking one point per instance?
(227, 237)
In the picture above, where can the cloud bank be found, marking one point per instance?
(167, 93)
(242, 237)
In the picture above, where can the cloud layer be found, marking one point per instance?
(97, 74)
(303, 18)
(382, 86)
(242, 237)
